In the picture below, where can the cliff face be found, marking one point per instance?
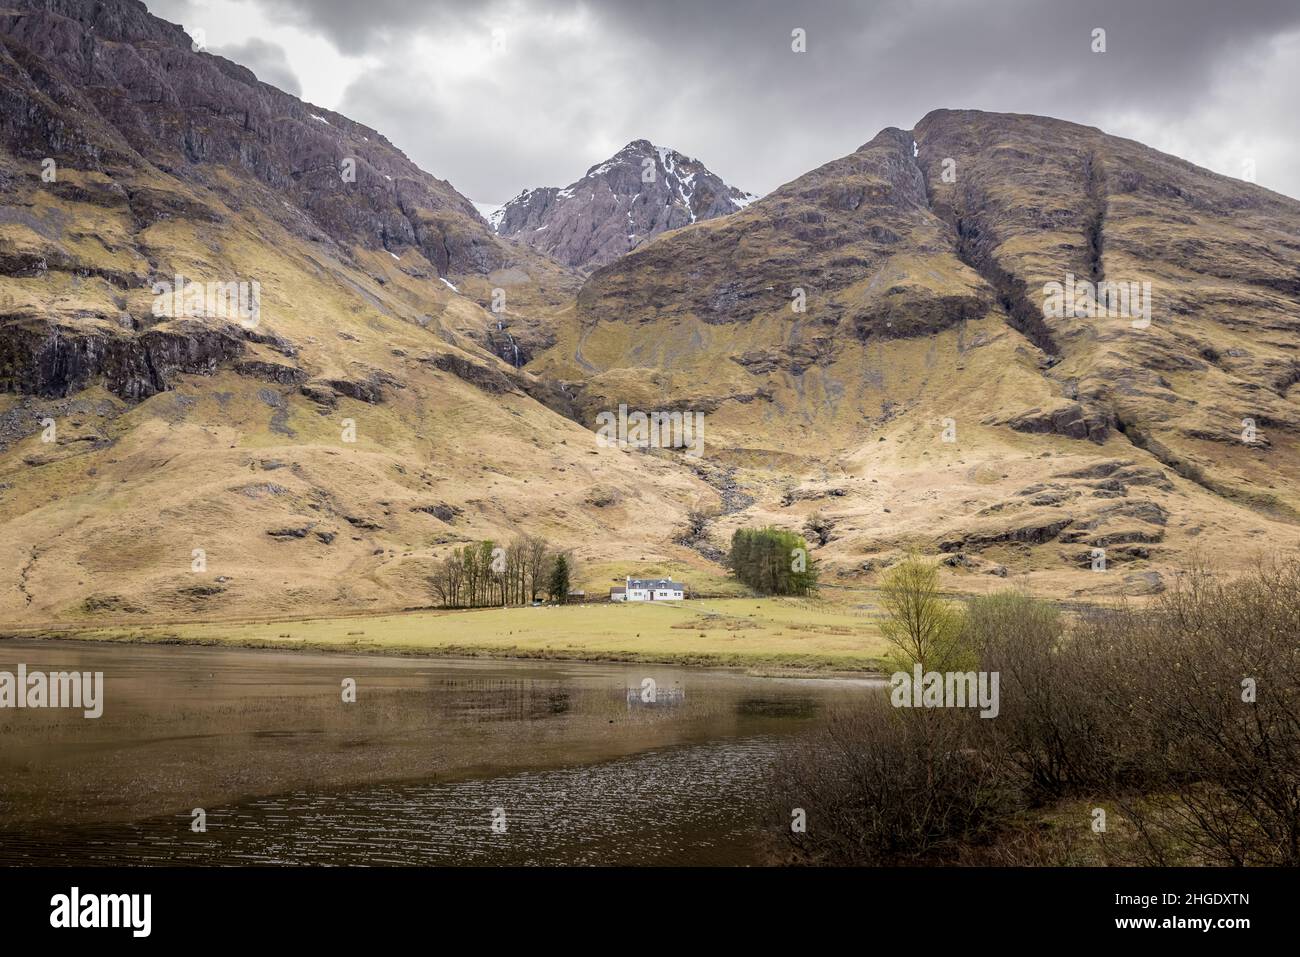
(111, 115)
(107, 85)
(638, 193)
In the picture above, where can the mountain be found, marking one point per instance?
(840, 329)
(315, 451)
(636, 194)
(356, 373)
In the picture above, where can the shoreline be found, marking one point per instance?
(755, 666)
(774, 637)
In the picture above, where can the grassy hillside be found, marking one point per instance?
(866, 344)
(248, 460)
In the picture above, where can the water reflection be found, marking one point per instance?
(587, 767)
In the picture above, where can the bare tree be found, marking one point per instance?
(535, 565)
(695, 534)
(819, 527)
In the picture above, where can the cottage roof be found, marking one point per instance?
(655, 583)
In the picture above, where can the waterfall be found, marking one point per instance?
(513, 345)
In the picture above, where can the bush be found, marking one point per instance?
(1054, 722)
(883, 785)
(819, 527)
(1214, 695)
(1185, 716)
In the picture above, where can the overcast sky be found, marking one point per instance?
(498, 95)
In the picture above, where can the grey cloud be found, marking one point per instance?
(718, 80)
(174, 11)
(358, 27)
(266, 60)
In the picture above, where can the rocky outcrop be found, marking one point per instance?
(101, 85)
(478, 374)
(1033, 532)
(1071, 420)
(39, 357)
(496, 380)
(636, 194)
(795, 358)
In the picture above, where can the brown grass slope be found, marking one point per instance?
(177, 433)
(925, 304)
(923, 320)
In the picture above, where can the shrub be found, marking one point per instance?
(1215, 694)
(883, 785)
(1053, 724)
(1185, 716)
(819, 527)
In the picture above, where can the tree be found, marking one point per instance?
(535, 558)
(773, 561)
(923, 628)
(481, 574)
(559, 585)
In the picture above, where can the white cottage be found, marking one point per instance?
(649, 589)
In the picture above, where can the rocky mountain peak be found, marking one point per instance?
(636, 194)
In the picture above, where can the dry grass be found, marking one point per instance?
(110, 524)
(764, 634)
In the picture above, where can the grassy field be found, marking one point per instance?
(769, 635)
